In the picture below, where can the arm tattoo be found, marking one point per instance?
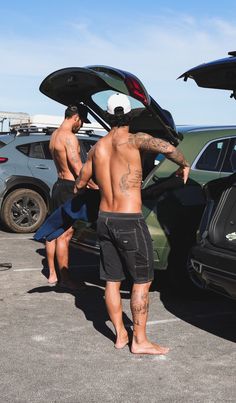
(74, 154)
(178, 157)
(146, 142)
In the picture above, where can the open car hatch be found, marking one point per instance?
(218, 74)
(74, 85)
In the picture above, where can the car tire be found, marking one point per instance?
(23, 211)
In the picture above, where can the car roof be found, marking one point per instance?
(204, 128)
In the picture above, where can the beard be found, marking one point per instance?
(75, 129)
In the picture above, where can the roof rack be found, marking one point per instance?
(33, 130)
(22, 124)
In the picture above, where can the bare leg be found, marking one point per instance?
(139, 307)
(50, 250)
(62, 254)
(114, 308)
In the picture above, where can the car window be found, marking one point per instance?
(47, 153)
(212, 156)
(101, 98)
(36, 150)
(2, 144)
(24, 148)
(230, 160)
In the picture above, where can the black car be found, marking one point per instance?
(214, 256)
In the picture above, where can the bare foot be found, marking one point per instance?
(52, 280)
(121, 341)
(149, 348)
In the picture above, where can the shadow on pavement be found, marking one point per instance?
(89, 297)
(210, 312)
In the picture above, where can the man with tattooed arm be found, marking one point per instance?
(65, 151)
(125, 241)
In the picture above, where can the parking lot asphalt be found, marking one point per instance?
(58, 346)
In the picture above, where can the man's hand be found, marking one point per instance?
(76, 183)
(183, 172)
(92, 185)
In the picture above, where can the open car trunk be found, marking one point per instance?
(74, 85)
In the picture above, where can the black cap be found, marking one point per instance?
(80, 110)
(83, 113)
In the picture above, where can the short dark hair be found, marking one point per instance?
(71, 111)
(119, 118)
(80, 110)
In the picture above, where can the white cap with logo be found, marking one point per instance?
(117, 100)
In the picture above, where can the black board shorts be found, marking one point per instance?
(126, 246)
(63, 190)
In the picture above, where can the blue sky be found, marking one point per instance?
(156, 40)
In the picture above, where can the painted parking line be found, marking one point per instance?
(41, 268)
(15, 238)
(156, 322)
(28, 269)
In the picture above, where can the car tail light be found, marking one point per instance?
(3, 159)
(136, 89)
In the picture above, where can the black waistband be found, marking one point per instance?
(59, 180)
(110, 214)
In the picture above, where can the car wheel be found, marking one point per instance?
(23, 210)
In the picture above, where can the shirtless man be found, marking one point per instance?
(65, 150)
(124, 237)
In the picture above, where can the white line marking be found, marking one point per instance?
(84, 265)
(28, 269)
(15, 238)
(156, 322)
(41, 268)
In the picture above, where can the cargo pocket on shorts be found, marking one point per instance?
(127, 240)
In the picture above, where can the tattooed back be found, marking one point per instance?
(118, 171)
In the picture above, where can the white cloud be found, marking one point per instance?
(158, 52)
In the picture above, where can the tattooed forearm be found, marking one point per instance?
(177, 157)
(146, 142)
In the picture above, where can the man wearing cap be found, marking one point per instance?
(125, 241)
(65, 150)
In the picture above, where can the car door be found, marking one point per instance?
(208, 165)
(229, 165)
(41, 163)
